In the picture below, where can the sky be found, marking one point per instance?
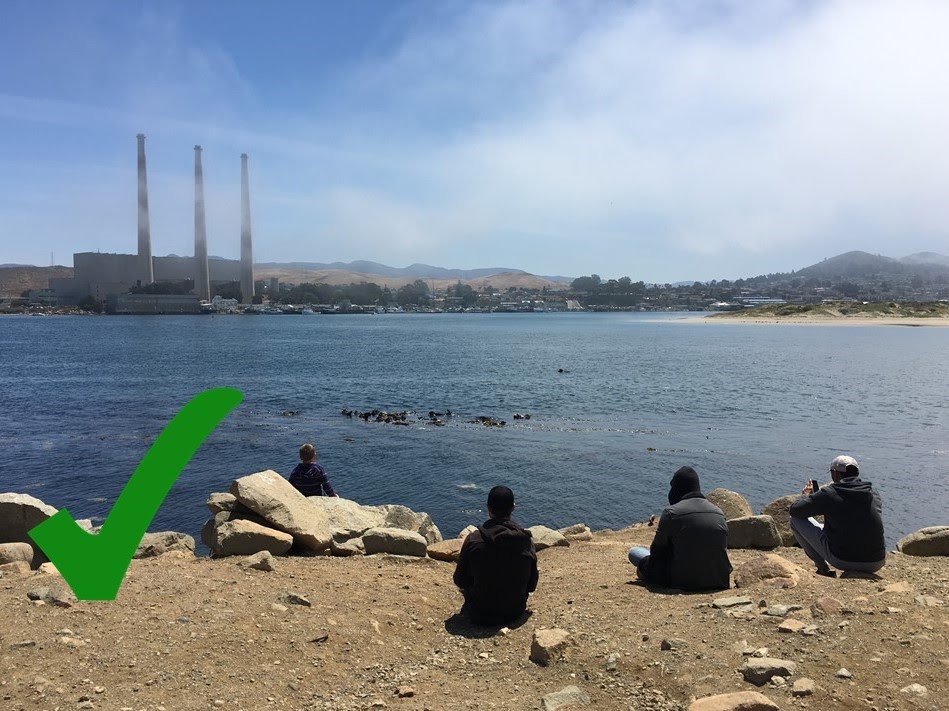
(665, 141)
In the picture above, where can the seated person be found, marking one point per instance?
(852, 535)
(497, 568)
(689, 551)
(309, 478)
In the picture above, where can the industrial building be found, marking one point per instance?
(103, 274)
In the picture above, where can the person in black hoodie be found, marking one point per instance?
(497, 567)
(852, 535)
(689, 551)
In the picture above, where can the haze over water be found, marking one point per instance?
(756, 409)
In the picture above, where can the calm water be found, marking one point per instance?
(758, 409)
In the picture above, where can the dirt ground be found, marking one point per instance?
(382, 634)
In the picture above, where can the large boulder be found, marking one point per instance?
(397, 516)
(18, 514)
(13, 552)
(547, 537)
(753, 532)
(732, 504)
(779, 510)
(221, 501)
(154, 544)
(243, 537)
(759, 670)
(577, 532)
(933, 540)
(767, 568)
(397, 541)
(274, 498)
(448, 551)
(737, 701)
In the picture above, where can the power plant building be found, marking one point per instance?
(101, 274)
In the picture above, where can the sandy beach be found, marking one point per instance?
(730, 319)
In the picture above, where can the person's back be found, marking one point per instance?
(308, 477)
(689, 551)
(497, 567)
(853, 521)
(699, 546)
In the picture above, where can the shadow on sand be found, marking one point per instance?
(460, 625)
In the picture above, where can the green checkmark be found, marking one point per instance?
(95, 564)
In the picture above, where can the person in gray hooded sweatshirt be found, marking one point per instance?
(497, 567)
(689, 551)
(851, 538)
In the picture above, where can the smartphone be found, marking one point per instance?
(814, 486)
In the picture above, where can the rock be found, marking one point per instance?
(611, 662)
(259, 561)
(770, 568)
(17, 567)
(568, 696)
(292, 598)
(18, 514)
(466, 530)
(58, 595)
(397, 541)
(901, 587)
(242, 537)
(405, 692)
(221, 501)
(753, 532)
(933, 540)
(803, 687)
(826, 606)
(347, 547)
(548, 645)
(738, 701)
(274, 498)
(928, 601)
(791, 626)
(915, 689)
(48, 569)
(781, 610)
(397, 516)
(547, 537)
(154, 544)
(759, 670)
(16, 552)
(723, 603)
(577, 532)
(779, 510)
(448, 551)
(673, 644)
(844, 673)
(732, 504)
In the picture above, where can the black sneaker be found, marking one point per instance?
(827, 573)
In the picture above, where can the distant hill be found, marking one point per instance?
(334, 277)
(16, 279)
(414, 271)
(926, 258)
(863, 265)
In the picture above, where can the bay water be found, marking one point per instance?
(754, 408)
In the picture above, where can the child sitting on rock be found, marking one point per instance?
(309, 478)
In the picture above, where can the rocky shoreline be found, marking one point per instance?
(326, 604)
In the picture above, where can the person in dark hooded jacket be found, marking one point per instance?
(689, 551)
(852, 535)
(497, 567)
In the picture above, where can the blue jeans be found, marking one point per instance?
(637, 555)
(810, 534)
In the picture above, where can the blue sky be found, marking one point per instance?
(665, 141)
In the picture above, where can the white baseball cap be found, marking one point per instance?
(841, 463)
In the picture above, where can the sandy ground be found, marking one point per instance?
(810, 320)
(190, 633)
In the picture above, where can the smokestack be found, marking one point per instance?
(202, 285)
(145, 271)
(247, 255)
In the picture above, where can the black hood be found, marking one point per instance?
(854, 489)
(684, 484)
(504, 533)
